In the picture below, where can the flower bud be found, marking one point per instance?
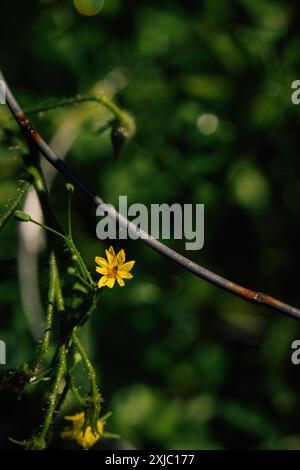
(70, 188)
(119, 137)
(22, 216)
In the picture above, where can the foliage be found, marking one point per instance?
(180, 363)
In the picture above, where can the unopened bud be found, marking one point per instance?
(70, 188)
(22, 216)
(119, 137)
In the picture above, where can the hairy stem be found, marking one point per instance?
(61, 369)
(94, 397)
(74, 390)
(120, 115)
(44, 345)
(59, 299)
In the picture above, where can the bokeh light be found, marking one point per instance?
(89, 7)
(207, 123)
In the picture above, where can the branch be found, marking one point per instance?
(255, 297)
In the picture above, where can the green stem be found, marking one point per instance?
(41, 189)
(114, 109)
(110, 435)
(88, 314)
(44, 345)
(69, 216)
(87, 363)
(60, 304)
(61, 369)
(81, 264)
(95, 397)
(52, 230)
(106, 102)
(76, 274)
(75, 392)
(38, 180)
(41, 377)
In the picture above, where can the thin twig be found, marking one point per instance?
(108, 104)
(200, 271)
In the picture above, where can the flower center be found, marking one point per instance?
(113, 272)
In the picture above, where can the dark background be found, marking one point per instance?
(180, 363)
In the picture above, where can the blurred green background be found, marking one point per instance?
(182, 364)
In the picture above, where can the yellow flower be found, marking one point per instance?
(114, 268)
(83, 435)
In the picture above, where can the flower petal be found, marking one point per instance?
(120, 257)
(101, 261)
(120, 281)
(125, 274)
(102, 281)
(77, 417)
(101, 270)
(127, 266)
(111, 282)
(86, 438)
(110, 254)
